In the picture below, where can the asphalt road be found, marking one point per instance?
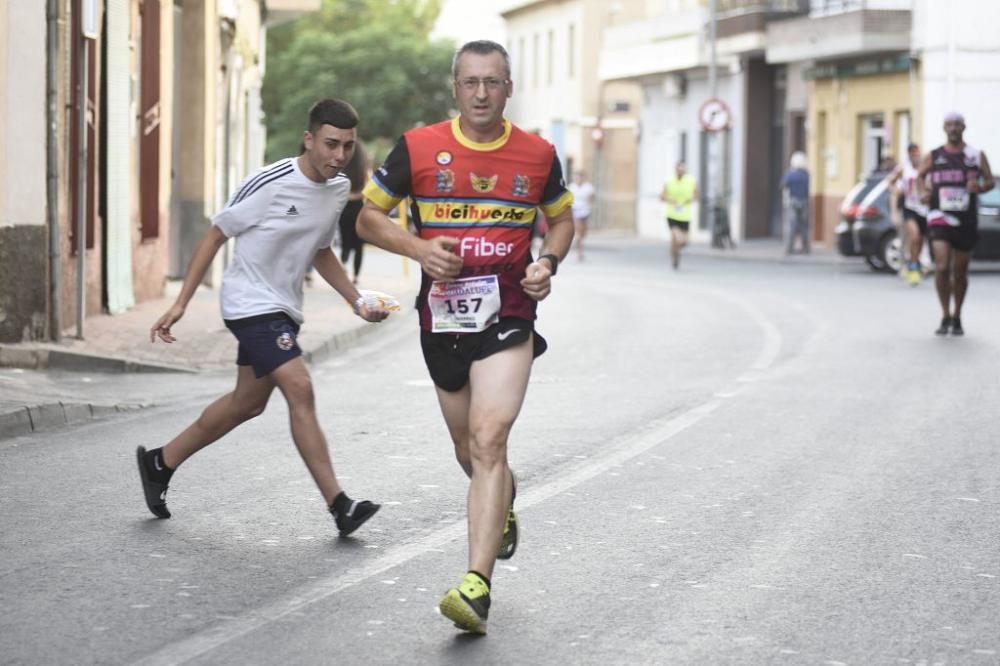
(738, 462)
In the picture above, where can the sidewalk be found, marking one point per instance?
(49, 384)
(756, 249)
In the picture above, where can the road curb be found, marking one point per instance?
(33, 418)
(24, 420)
(43, 357)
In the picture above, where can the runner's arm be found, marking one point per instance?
(537, 282)
(986, 174)
(328, 266)
(435, 256)
(925, 168)
(202, 259)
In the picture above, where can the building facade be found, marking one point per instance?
(558, 94)
(959, 70)
(130, 120)
(863, 92)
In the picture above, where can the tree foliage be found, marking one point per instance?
(375, 54)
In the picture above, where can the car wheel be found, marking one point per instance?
(891, 252)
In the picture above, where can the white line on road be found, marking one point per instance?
(622, 449)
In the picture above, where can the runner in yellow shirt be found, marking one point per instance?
(679, 193)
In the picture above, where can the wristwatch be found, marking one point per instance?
(358, 304)
(554, 260)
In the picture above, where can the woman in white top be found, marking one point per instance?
(583, 194)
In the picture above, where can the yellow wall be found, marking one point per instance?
(834, 143)
(843, 101)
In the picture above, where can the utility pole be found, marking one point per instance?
(88, 32)
(712, 152)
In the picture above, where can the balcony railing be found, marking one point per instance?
(831, 7)
(728, 8)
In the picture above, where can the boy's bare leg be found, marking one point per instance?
(293, 380)
(246, 401)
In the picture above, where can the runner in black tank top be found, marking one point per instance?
(955, 173)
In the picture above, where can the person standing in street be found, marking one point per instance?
(357, 172)
(795, 192)
(475, 182)
(914, 210)
(583, 196)
(679, 193)
(957, 173)
(283, 219)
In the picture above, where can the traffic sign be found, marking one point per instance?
(714, 115)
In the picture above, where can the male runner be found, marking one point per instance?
(914, 210)
(679, 193)
(957, 173)
(283, 218)
(475, 182)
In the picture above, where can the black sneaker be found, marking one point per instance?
(156, 493)
(354, 517)
(944, 327)
(508, 544)
(468, 605)
(956, 326)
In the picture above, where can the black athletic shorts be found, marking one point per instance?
(677, 224)
(449, 356)
(910, 214)
(963, 237)
(267, 341)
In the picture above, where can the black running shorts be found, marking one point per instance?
(921, 221)
(266, 341)
(449, 356)
(962, 238)
(679, 225)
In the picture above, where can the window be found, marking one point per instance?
(520, 59)
(571, 50)
(550, 57)
(534, 60)
(872, 136)
(903, 135)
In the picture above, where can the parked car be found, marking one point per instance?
(866, 228)
(988, 248)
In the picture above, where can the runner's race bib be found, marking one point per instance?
(468, 305)
(953, 198)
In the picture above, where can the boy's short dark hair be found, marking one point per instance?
(334, 112)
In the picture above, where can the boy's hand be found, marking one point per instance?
(162, 326)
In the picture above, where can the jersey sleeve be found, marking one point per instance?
(247, 207)
(555, 197)
(391, 182)
(243, 213)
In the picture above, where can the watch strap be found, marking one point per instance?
(554, 260)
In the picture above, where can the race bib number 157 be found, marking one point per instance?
(468, 305)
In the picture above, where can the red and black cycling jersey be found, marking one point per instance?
(484, 194)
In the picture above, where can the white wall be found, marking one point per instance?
(663, 120)
(960, 67)
(22, 112)
(538, 103)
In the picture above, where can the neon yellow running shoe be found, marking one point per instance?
(508, 544)
(468, 605)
